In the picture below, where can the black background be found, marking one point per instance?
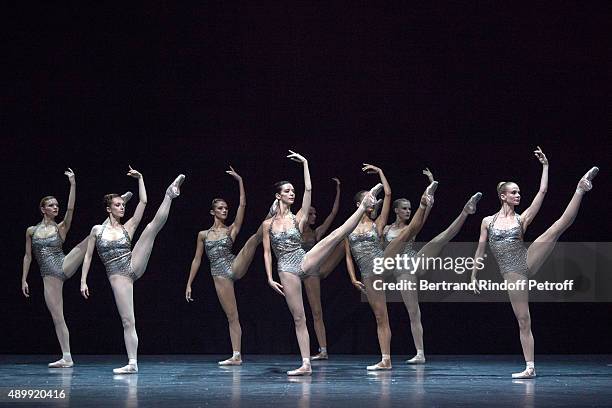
(467, 90)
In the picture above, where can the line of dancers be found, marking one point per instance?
(304, 254)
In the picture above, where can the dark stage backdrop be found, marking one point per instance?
(466, 90)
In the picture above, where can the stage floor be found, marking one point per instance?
(197, 380)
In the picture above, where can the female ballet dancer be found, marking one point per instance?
(365, 245)
(225, 267)
(402, 211)
(313, 282)
(282, 233)
(505, 230)
(123, 265)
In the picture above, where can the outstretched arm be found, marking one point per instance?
(91, 243)
(234, 229)
(530, 213)
(268, 258)
(431, 179)
(64, 226)
(322, 229)
(381, 220)
(133, 222)
(303, 214)
(27, 260)
(482, 246)
(195, 264)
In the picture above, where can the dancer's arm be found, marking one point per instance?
(322, 229)
(27, 260)
(234, 229)
(91, 243)
(482, 246)
(302, 216)
(381, 220)
(431, 179)
(350, 267)
(530, 213)
(268, 257)
(64, 226)
(195, 264)
(133, 222)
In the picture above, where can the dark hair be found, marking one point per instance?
(359, 196)
(44, 200)
(215, 201)
(108, 199)
(397, 202)
(278, 185)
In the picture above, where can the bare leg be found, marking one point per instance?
(292, 287)
(123, 289)
(245, 256)
(332, 261)
(74, 258)
(315, 257)
(142, 249)
(378, 302)
(520, 305)
(313, 292)
(227, 298)
(544, 244)
(55, 303)
(411, 301)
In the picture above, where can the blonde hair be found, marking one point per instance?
(501, 186)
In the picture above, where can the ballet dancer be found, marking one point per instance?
(225, 267)
(124, 265)
(282, 233)
(504, 231)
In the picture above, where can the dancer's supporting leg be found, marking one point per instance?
(54, 300)
(227, 298)
(292, 288)
(313, 292)
(378, 302)
(123, 289)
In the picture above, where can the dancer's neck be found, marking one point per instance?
(113, 222)
(506, 210)
(46, 221)
(218, 224)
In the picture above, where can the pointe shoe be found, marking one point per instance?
(303, 370)
(431, 189)
(369, 200)
(585, 182)
(230, 362)
(61, 363)
(127, 196)
(418, 359)
(527, 373)
(470, 206)
(377, 207)
(320, 356)
(380, 366)
(128, 369)
(173, 190)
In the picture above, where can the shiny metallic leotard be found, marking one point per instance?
(287, 246)
(220, 255)
(365, 247)
(508, 249)
(116, 255)
(408, 249)
(49, 255)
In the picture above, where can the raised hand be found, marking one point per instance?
(134, 173)
(233, 173)
(429, 174)
(70, 174)
(370, 169)
(539, 154)
(337, 180)
(296, 157)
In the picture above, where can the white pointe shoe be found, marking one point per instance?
(383, 365)
(303, 370)
(528, 373)
(320, 356)
(127, 196)
(174, 190)
(61, 363)
(231, 362)
(128, 369)
(585, 182)
(418, 359)
(470, 206)
(431, 189)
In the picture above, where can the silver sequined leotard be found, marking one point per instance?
(508, 249)
(116, 255)
(407, 250)
(287, 246)
(49, 255)
(220, 255)
(365, 247)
